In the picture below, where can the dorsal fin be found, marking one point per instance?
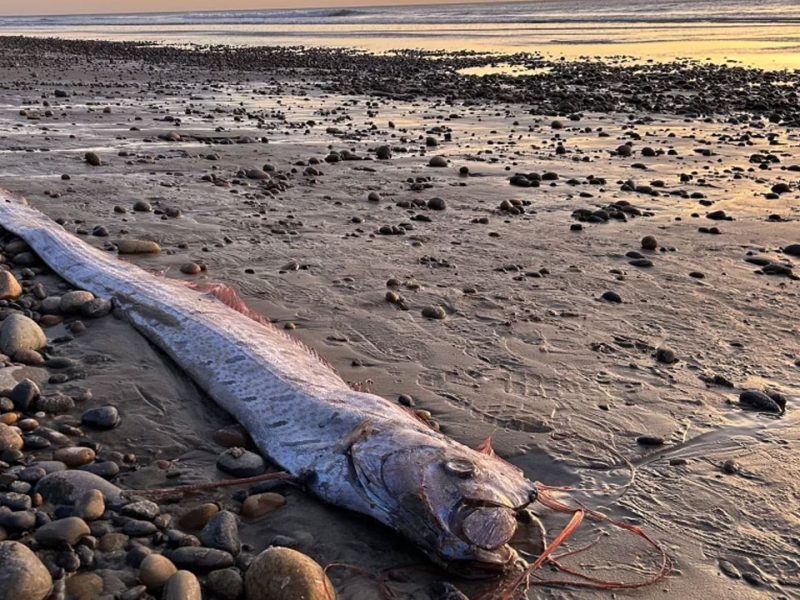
(485, 447)
(231, 298)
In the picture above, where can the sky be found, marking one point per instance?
(62, 7)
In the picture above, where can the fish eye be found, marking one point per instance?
(460, 468)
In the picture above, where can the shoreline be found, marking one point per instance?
(267, 170)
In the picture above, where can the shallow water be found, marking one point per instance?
(762, 34)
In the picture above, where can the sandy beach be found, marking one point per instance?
(602, 264)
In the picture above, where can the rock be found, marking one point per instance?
(28, 357)
(258, 505)
(90, 506)
(155, 570)
(9, 438)
(241, 463)
(112, 542)
(92, 159)
(437, 161)
(231, 436)
(197, 517)
(22, 574)
(191, 268)
(792, 250)
(20, 520)
(183, 585)
(54, 403)
(84, 586)
(142, 206)
(102, 417)
(226, 584)
(143, 509)
(96, 308)
(756, 400)
(222, 532)
(285, 574)
(383, 152)
(69, 530)
(649, 242)
(612, 297)
(18, 332)
(437, 204)
(10, 288)
(434, 312)
(201, 559)
(666, 356)
(137, 247)
(67, 487)
(257, 174)
(74, 456)
(23, 394)
(650, 440)
(71, 302)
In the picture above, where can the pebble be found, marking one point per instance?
(201, 559)
(649, 242)
(84, 586)
(759, 401)
(437, 204)
(241, 463)
(666, 356)
(90, 506)
(437, 161)
(231, 436)
(92, 159)
(18, 332)
(285, 574)
(96, 308)
(183, 585)
(67, 487)
(258, 505)
(10, 288)
(191, 268)
(612, 297)
(226, 584)
(71, 302)
(22, 574)
(155, 570)
(23, 394)
(102, 417)
(143, 509)
(74, 456)
(69, 531)
(137, 247)
(434, 312)
(222, 532)
(142, 206)
(9, 438)
(197, 517)
(112, 542)
(650, 440)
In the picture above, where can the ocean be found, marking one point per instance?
(764, 34)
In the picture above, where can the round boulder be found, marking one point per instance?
(285, 574)
(18, 332)
(22, 574)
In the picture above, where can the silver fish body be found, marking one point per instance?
(352, 449)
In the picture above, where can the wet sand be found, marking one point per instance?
(570, 386)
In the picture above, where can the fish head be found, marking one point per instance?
(458, 505)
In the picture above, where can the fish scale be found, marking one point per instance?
(352, 449)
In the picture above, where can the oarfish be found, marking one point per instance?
(352, 449)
